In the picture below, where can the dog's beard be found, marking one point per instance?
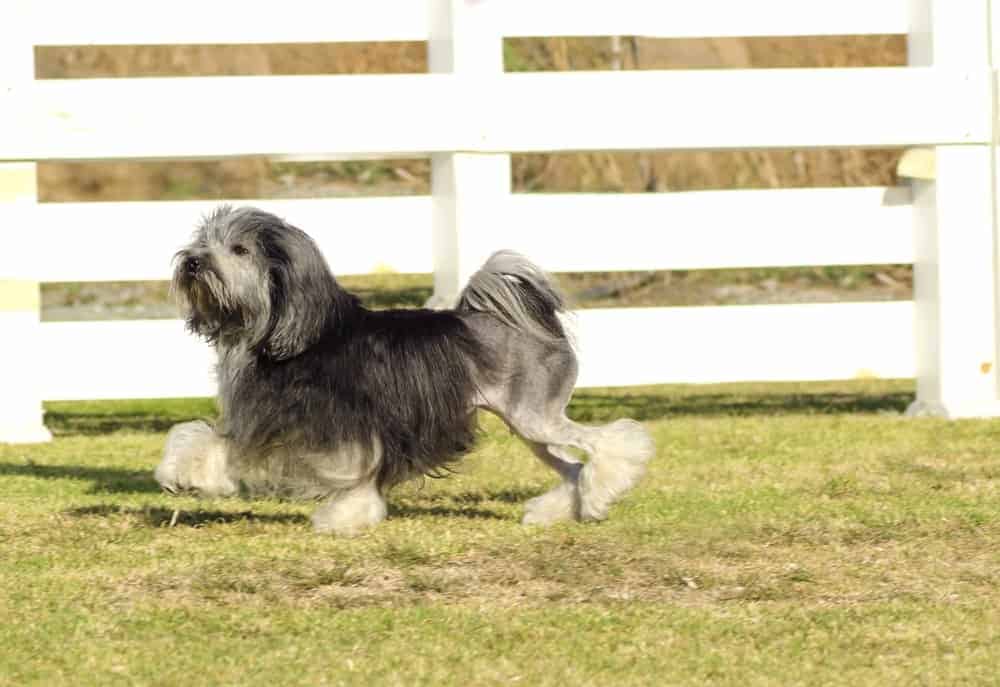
(211, 310)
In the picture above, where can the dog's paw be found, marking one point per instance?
(350, 513)
(558, 505)
(194, 459)
(621, 452)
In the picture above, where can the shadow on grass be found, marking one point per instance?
(415, 510)
(90, 418)
(597, 405)
(600, 407)
(104, 480)
(84, 424)
(156, 516)
(502, 495)
(466, 504)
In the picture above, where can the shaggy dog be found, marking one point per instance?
(322, 398)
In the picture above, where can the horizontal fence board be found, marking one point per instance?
(632, 346)
(54, 22)
(123, 359)
(715, 18)
(562, 232)
(219, 22)
(621, 347)
(712, 229)
(737, 109)
(212, 117)
(137, 240)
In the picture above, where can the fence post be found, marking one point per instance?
(955, 242)
(469, 190)
(20, 329)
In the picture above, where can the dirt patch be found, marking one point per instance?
(576, 572)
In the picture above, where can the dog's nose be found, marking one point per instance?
(192, 264)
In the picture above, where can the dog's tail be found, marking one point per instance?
(519, 293)
(516, 291)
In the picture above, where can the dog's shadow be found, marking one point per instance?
(416, 511)
(468, 505)
(158, 516)
(107, 480)
(472, 505)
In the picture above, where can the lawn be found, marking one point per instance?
(785, 534)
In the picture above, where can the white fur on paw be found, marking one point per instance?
(194, 458)
(620, 455)
(558, 505)
(351, 513)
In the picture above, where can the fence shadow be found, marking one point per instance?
(589, 405)
(603, 407)
(70, 423)
(103, 480)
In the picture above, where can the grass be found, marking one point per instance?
(786, 534)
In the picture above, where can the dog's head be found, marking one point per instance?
(249, 278)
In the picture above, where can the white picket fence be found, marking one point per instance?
(469, 115)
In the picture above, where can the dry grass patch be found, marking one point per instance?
(783, 530)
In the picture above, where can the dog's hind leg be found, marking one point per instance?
(618, 453)
(562, 502)
(621, 450)
(195, 458)
(534, 405)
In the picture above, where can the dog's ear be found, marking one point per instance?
(305, 299)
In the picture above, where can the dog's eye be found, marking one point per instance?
(240, 250)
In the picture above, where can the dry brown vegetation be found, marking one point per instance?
(595, 171)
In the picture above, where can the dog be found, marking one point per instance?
(322, 398)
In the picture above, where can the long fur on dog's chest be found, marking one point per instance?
(399, 384)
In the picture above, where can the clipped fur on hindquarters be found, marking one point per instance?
(522, 297)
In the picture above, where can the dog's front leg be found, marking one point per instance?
(195, 459)
(351, 511)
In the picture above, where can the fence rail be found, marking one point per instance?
(571, 232)
(468, 116)
(154, 118)
(306, 21)
(619, 347)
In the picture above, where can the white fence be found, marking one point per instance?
(468, 115)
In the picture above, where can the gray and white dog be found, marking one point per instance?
(322, 398)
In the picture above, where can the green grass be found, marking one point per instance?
(786, 534)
